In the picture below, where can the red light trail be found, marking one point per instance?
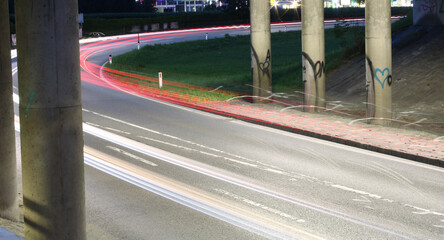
(307, 124)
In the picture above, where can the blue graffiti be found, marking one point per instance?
(383, 76)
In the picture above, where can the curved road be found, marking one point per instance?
(188, 174)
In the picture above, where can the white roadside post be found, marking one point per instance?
(160, 80)
(110, 59)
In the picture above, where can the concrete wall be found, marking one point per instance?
(428, 12)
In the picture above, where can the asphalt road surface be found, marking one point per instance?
(159, 171)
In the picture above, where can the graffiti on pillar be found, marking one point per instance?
(318, 67)
(429, 6)
(379, 76)
(316, 71)
(427, 12)
(29, 102)
(370, 88)
(264, 66)
(383, 76)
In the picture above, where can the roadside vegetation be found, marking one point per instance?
(226, 61)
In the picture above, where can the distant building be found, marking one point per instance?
(184, 5)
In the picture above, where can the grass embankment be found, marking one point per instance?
(226, 62)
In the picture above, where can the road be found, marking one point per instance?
(188, 174)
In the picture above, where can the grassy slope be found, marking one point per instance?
(226, 61)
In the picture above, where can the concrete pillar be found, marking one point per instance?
(8, 165)
(313, 53)
(260, 47)
(378, 49)
(51, 119)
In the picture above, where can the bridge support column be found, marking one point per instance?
(313, 53)
(8, 165)
(51, 119)
(378, 48)
(260, 47)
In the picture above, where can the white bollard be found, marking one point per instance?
(160, 80)
(206, 36)
(110, 59)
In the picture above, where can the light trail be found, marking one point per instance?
(229, 177)
(194, 198)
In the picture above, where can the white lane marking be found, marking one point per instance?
(259, 205)
(132, 156)
(440, 226)
(202, 152)
(194, 198)
(228, 177)
(342, 146)
(108, 128)
(348, 189)
(423, 211)
(362, 199)
(181, 140)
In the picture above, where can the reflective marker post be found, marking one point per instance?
(110, 59)
(160, 80)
